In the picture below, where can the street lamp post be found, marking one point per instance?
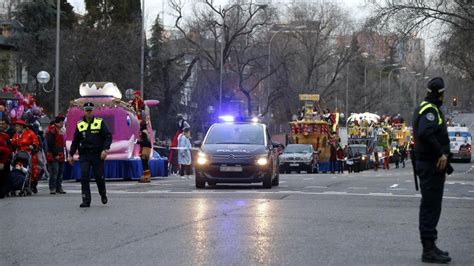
(380, 75)
(365, 55)
(390, 80)
(58, 28)
(347, 89)
(142, 54)
(267, 92)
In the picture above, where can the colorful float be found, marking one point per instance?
(123, 121)
(319, 129)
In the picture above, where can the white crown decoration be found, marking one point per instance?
(99, 89)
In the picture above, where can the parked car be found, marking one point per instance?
(298, 157)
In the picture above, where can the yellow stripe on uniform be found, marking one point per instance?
(425, 105)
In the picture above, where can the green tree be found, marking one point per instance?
(35, 41)
(112, 12)
(169, 69)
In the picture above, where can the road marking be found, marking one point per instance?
(357, 188)
(316, 187)
(311, 178)
(394, 186)
(282, 182)
(335, 192)
(399, 189)
(380, 194)
(199, 192)
(472, 191)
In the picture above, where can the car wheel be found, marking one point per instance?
(211, 183)
(310, 169)
(267, 181)
(199, 182)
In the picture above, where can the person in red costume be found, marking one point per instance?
(138, 105)
(26, 140)
(5, 157)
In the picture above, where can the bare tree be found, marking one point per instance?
(215, 32)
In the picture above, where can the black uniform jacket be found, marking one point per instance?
(430, 131)
(91, 138)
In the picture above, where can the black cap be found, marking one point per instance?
(88, 106)
(59, 118)
(435, 85)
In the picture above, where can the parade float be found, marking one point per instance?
(318, 129)
(123, 120)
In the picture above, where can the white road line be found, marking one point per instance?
(472, 191)
(399, 189)
(282, 182)
(311, 178)
(357, 188)
(394, 186)
(316, 187)
(380, 194)
(344, 193)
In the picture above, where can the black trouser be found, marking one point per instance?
(432, 186)
(145, 165)
(185, 167)
(93, 161)
(332, 166)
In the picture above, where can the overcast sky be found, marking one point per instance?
(154, 7)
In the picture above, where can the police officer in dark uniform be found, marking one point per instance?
(92, 138)
(431, 156)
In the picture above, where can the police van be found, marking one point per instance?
(460, 143)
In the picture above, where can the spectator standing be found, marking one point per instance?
(333, 159)
(340, 159)
(55, 154)
(184, 151)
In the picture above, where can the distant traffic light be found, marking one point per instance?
(455, 101)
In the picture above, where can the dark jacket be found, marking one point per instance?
(430, 132)
(91, 138)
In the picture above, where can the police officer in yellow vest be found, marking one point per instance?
(92, 138)
(431, 159)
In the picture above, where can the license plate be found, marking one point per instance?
(294, 164)
(231, 168)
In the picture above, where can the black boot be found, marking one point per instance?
(34, 187)
(85, 205)
(439, 251)
(103, 199)
(430, 255)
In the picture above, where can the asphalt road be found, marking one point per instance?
(310, 219)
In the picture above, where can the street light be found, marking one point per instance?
(270, 51)
(389, 78)
(380, 76)
(43, 77)
(58, 29)
(142, 53)
(365, 55)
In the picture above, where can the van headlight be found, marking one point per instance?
(202, 158)
(262, 160)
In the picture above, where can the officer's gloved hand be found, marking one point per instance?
(442, 162)
(103, 155)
